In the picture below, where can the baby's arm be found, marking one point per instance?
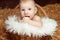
(35, 22)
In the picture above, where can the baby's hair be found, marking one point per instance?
(26, 0)
(23, 0)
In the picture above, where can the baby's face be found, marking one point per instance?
(28, 9)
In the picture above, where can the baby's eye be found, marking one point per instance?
(23, 9)
(29, 9)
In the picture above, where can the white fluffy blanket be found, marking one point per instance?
(48, 28)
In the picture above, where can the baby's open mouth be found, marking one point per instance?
(27, 16)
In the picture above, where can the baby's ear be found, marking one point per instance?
(35, 9)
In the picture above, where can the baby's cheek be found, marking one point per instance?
(31, 17)
(22, 15)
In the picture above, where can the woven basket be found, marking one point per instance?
(15, 11)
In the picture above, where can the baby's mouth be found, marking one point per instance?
(27, 16)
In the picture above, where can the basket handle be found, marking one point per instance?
(42, 10)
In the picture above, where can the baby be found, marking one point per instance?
(29, 23)
(28, 13)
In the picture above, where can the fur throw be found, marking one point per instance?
(48, 28)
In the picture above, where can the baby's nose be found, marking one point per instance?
(26, 12)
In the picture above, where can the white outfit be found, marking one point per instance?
(48, 28)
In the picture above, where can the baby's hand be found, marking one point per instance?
(26, 19)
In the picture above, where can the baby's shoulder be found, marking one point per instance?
(36, 17)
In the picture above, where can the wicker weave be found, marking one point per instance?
(15, 11)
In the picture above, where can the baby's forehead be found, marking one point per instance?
(31, 3)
